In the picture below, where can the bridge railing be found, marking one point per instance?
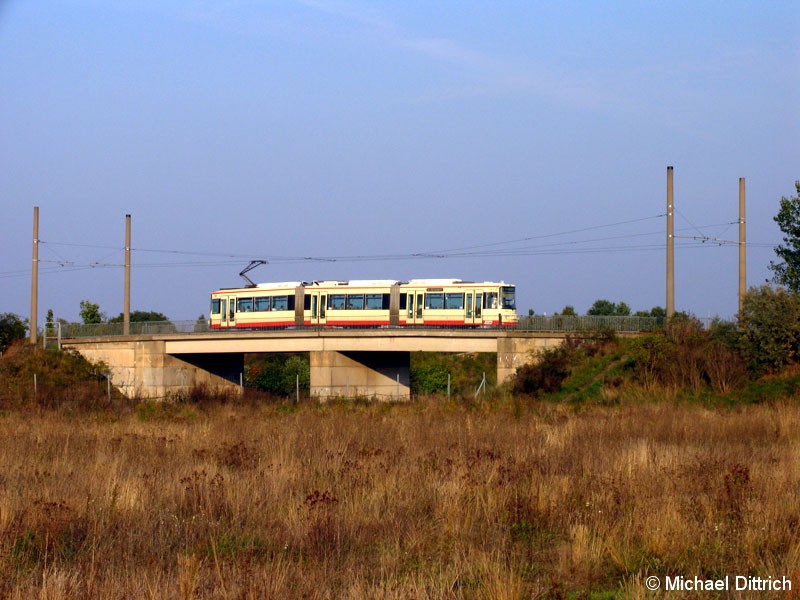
(73, 330)
(588, 323)
(555, 323)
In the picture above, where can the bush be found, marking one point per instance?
(545, 375)
(770, 320)
(650, 355)
(12, 328)
(686, 369)
(429, 378)
(724, 360)
(689, 357)
(429, 372)
(63, 380)
(277, 373)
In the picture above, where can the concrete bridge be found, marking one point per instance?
(348, 363)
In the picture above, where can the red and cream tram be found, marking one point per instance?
(374, 303)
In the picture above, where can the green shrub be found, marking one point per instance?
(278, 373)
(12, 328)
(546, 374)
(32, 377)
(689, 357)
(429, 378)
(429, 372)
(649, 355)
(770, 320)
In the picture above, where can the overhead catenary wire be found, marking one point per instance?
(307, 258)
(511, 252)
(548, 235)
(503, 248)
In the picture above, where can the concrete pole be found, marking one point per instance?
(742, 247)
(35, 277)
(126, 310)
(670, 247)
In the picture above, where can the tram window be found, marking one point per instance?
(336, 301)
(262, 304)
(490, 300)
(375, 301)
(454, 301)
(402, 301)
(307, 302)
(508, 298)
(244, 305)
(434, 301)
(280, 303)
(355, 301)
(215, 310)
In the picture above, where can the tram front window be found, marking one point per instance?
(508, 296)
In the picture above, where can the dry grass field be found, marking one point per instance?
(423, 500)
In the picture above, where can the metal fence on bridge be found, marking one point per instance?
(588, 323)
(535, 323)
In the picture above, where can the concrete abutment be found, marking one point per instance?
(143, 369)
(513, 352)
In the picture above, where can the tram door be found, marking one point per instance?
(414, 303)
(228, 311)
(469, 308)
(318, 302)
(473, 303)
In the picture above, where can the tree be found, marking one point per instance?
(12, 328)
(657, 312)
(201, 324)
(141, 316)
(90, 313)
(606, 307)
(568, 311)
(787, 272)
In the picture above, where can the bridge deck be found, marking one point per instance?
(156, 365)
(311, 340)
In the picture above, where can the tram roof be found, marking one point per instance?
(281, 284)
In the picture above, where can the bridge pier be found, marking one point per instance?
(382, 375)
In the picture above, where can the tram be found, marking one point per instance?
(365, 303)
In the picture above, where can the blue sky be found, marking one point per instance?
(517, 141)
